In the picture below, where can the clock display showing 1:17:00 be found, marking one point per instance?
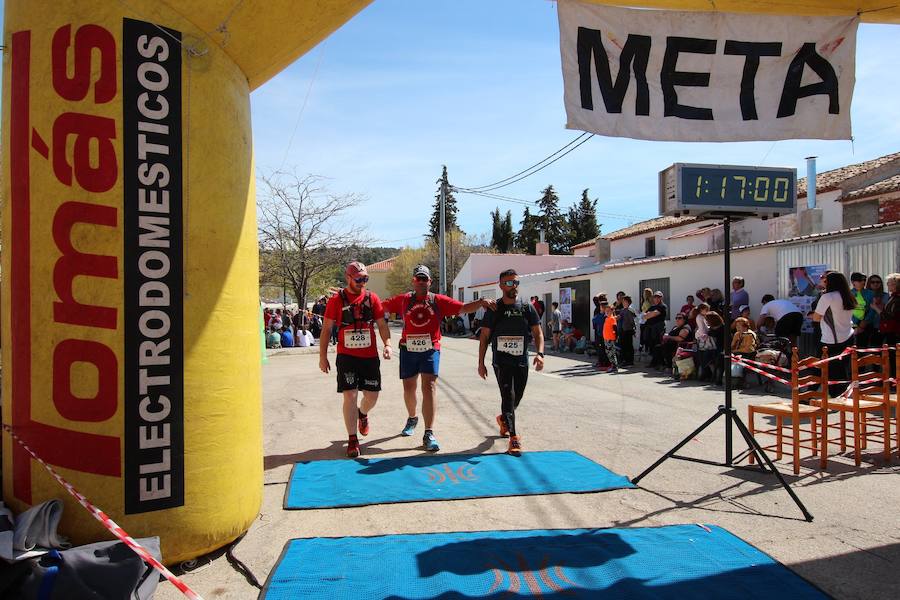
(760, 189)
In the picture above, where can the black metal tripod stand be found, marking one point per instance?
(727, 410)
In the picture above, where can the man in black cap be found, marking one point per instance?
(420, 346)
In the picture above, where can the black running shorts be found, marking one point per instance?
(354, 373)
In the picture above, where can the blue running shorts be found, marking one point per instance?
(413, 363)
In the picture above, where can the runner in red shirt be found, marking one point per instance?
(355, 311)
(420, 346)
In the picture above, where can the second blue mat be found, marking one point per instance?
(682, 562)
(339, 483)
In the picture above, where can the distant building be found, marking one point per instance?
(378, 273)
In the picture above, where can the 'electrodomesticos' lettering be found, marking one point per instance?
(154, 386)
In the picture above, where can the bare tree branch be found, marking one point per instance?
(304, 230)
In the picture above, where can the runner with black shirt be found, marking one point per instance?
(509, 329)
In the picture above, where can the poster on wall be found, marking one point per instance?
(566, 298)
(802, 289)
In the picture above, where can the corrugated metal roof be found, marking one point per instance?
(526, 276)
(598, 268)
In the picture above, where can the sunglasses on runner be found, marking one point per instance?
(362, 279)
(511, 283)
(423, 278)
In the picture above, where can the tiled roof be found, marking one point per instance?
(382, 265)
(891, 184)
(649, 226)
(831, 180)
(585, 244)
(703, 229)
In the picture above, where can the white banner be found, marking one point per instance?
(706, 76)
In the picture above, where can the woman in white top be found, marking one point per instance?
(834, 312)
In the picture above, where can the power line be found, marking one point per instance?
(495, 196)
(312, 80)
(608, 215)
(538, 166)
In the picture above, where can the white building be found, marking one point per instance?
(478, 276)
(854, 226)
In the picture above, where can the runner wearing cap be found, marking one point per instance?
(356, 311)
(509, 328)
(420, 346)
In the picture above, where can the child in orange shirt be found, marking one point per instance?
(609, 337)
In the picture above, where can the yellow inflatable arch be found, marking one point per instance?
(129, 238)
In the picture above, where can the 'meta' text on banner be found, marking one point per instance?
(706, 76)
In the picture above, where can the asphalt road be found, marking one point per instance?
(624, 421)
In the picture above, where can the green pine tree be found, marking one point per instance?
(450, 209)
(507, 235)
(582, 220)
(502, 235)
(528, 235)
(495, 227)
(552, 221)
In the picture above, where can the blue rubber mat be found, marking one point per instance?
(678, 561)
(337, 483)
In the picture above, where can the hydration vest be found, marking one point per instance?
(429, 300)
(356, 314)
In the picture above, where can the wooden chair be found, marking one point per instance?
(796, 411)
(866, 405)
(894, 402)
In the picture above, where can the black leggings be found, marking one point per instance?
(512, 380)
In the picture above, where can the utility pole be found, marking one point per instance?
(442, 250)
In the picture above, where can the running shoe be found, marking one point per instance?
(430, 442)
(411, 423)
(352, 448)
(363, 425)
(504, 430)
(515, 446)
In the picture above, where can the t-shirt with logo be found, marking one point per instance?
(420, 317)
(353, 338)
(510, 326)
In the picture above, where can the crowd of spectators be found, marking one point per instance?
(285, 328)
(864, 312)
(691, 342)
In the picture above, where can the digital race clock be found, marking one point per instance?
(692, 189)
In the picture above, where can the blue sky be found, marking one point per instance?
(409, 85)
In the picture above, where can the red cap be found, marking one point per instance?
(355, 269)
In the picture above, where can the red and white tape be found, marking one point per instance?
(110, 524)
(830, 358)
(740, 361)
(760, 364)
